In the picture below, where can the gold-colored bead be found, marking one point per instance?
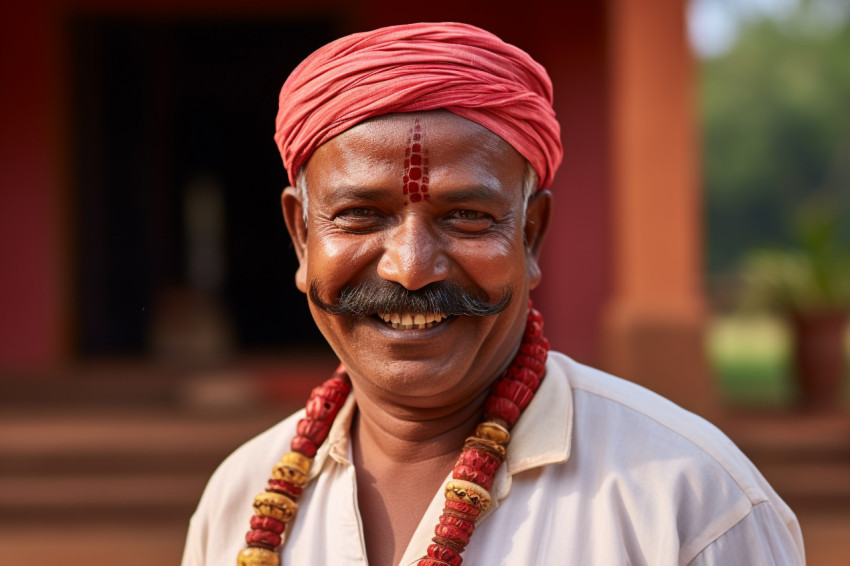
(293, 468)
(254, 556)
(289, 474)
(275, 505)
(297, 461)
(493, 431)
(468, 492)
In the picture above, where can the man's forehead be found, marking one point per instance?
(416, 148)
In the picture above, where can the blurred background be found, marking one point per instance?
(149, 321)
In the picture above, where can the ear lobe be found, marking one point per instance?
(293, 214)
(536, 225)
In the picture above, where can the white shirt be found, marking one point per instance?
(599, 471)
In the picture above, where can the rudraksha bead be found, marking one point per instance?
(445, 554)
(516, 391)
(501, 408)
(286, 488)
(304, 445)
(533, 364)
(463, 507)
(524, 375)
(266, 539)
(267, 524)
(313, 429)
(452, 532)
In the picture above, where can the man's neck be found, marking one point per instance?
(401, 459)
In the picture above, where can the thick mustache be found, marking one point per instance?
(381, 296)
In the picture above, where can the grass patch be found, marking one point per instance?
(751, 356)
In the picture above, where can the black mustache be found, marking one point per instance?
(382, 296)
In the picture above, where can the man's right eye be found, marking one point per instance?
(357, 212)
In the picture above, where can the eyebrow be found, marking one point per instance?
(474, 193)
(347, 193)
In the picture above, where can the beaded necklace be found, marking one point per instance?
(467, 493)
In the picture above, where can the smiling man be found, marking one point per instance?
(419, 157)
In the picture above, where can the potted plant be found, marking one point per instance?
(810, 285)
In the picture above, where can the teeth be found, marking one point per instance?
(410, 321)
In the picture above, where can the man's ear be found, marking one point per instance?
(536, 224)
(293, 214)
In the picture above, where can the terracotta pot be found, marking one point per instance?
(819, 357)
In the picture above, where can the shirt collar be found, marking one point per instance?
(541, 436)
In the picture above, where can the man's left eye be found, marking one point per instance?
(469, 214)
(470, 220)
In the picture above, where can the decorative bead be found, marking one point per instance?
(286, 488)
(468, 492)
(452, 532)
(524, 375)
(465, 525)
(431, 562)
(315, 430)
(297, 461)
(501, 408)
(476, 467)
(293, 468)
(516, 391)
(254, 556)
(493, 431)
(326, 400)
(262, 538)
(533, 364)
(533, 330)
(463, 507)
(485, 446)
(469, 473)
(444, 554)
(267, 524)
(304, 445)
(275, 505)
(535, 351)
(448, 543)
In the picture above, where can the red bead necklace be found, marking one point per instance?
(467, 493)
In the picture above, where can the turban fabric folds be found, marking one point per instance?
(417, 67)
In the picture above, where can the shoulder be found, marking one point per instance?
(217, 527)
(659, 462)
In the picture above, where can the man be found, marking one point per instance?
(419, 157)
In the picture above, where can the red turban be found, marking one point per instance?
(417, 67)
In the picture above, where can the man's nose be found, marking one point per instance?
(413, 256)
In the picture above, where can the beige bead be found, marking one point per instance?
(493, 431)
(253, 556)
(297, 461)
(293, 468)
(468, 492)
(275, 505)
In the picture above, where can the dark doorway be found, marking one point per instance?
(160, 105)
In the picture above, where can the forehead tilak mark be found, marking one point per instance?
(415, 178)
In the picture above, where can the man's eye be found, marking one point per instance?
(359, 212)
(469, 214)
(467, 220)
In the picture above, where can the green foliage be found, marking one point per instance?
(776, 133)
(813, 276)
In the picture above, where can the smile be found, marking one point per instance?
(409, 321)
